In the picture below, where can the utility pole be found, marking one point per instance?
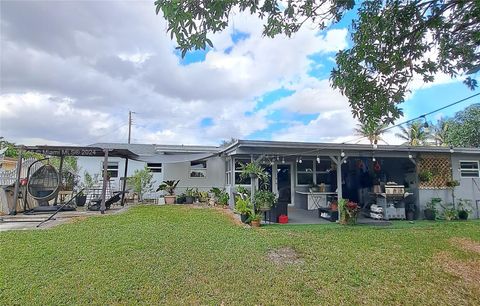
(124, 186)
(129, 125)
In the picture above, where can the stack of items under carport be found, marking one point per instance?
(390, 204)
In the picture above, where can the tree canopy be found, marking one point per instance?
(463, 129)
(394, 41)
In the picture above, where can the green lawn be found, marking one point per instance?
(179, 255)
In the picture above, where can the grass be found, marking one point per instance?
(179, 255)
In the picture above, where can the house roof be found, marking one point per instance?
(255, 145)
(155, 149)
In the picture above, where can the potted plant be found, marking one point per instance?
(449, 212)
(425, 176)
(348, 211)
(264, 200)
(88, 182)
(220, 196)
(189, 196)
(169, 188)
(255, 219)
(430, 211)
(203, 196)
(181, 198)
(244, 207)
(464, 208)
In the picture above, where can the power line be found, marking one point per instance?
(421, 116)
(432, 112)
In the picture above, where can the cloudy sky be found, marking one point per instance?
(71, 71)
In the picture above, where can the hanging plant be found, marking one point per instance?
(425, 176)
(254, 170)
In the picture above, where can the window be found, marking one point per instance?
(305, 172)
(469, 169)
(155, 167)
(322, 171)
(228, 172)
(238, 171)
(198, 169)
(112, 169)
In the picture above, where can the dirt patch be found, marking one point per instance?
(284, 255)
(230, 214)
(466, 244)
(467, 271)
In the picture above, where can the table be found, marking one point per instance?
(317, 200)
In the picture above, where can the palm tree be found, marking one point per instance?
(372, 130)
(440, 132)
(414, 134)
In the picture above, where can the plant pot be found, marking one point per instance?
(81, 200)
(244, 218)
(410, 215)
(429, 214)
(255, 223)
(463, 215)
(170, 199)
(189, 200)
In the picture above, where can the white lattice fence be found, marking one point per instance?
(8, 177)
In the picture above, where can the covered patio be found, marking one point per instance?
(308, 177)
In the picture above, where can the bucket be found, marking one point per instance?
(282, 219)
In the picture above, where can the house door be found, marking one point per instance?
(284, 183)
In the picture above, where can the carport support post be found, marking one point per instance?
(124, 181)
(338, 162)
(17, 183)
(105, 179)
(60, 169)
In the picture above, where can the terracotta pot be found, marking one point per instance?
(170, 199)
(255, 223)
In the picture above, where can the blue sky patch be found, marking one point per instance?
(238, 36)
(206, 122)
(191, 57)
(272, 96)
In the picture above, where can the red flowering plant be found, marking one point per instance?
(348, 211)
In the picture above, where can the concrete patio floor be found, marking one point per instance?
(22, 221)
(303, 216)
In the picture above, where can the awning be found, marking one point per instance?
(175, 158)
(78, 151)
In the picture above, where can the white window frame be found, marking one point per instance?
(228, 172)
(152, 168)
(235, 171)
(111, 163)
(315, 172)
(469, 170)
(203, 170)
(314, 175)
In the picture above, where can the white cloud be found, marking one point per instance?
(74, 69)
(312, 96)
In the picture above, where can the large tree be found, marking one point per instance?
(372, 130)
(394, 41)
(414, 134)
(464, 128)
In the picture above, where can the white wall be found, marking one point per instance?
(467, 188)
(181, 171)
(93, 165)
